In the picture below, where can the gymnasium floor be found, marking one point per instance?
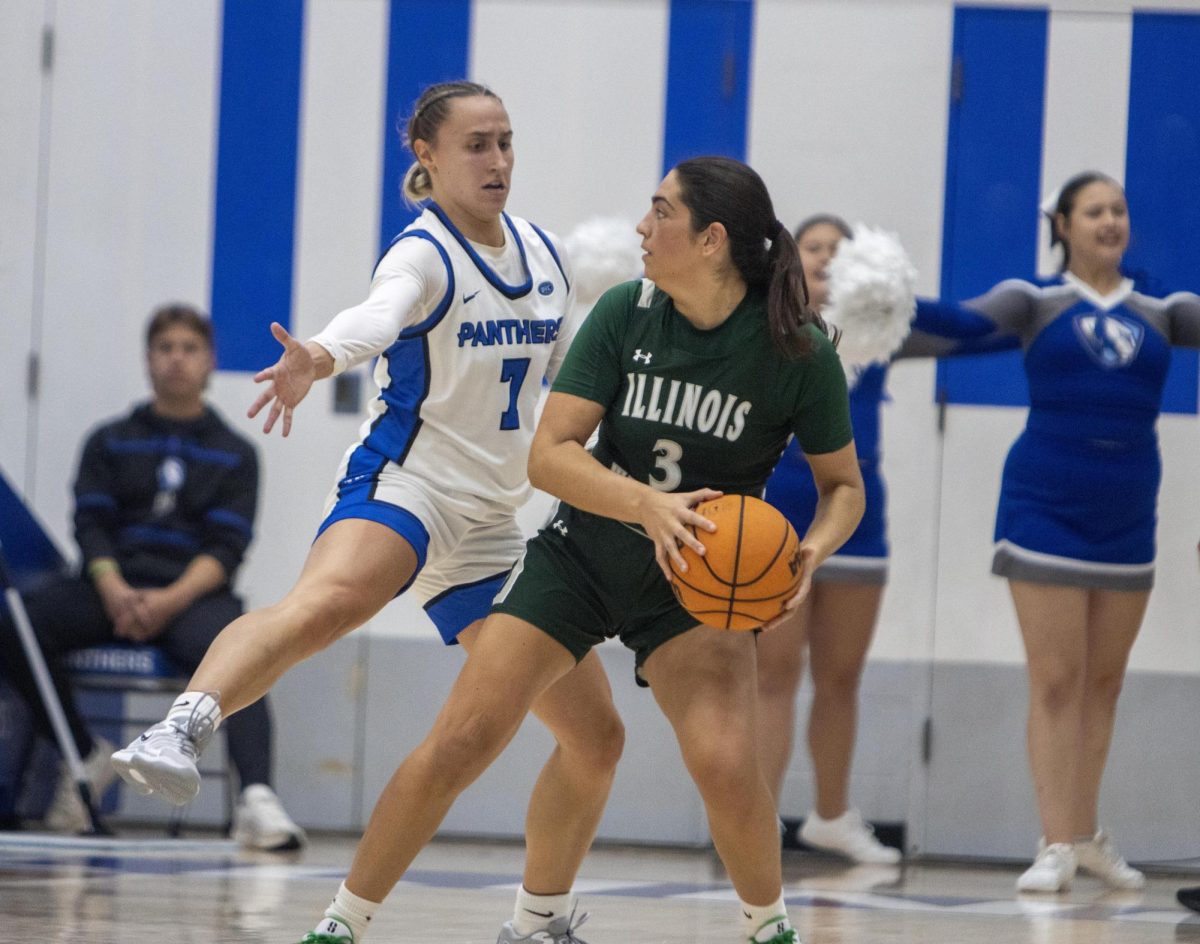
(152, 890)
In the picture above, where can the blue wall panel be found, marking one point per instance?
(993, 171)
(428, 42)
(708, 79)
(1162, 173)
(257, 148)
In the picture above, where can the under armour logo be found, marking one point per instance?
(560, 527)
(644, 358)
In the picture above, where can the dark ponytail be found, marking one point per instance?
(722, 190)
(787, 299)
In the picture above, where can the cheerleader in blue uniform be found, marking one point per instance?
(837, 619)
(1075, 523)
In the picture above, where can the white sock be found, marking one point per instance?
(347, 916)
(535, 912)
(192, 705)
(764, 922)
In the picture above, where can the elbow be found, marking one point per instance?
(851, 501)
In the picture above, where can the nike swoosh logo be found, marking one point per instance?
(467, 298)
(145, 737)
(546, 914)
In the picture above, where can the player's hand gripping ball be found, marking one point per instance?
(751, 566)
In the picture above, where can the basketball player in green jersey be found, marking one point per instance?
(696, 379)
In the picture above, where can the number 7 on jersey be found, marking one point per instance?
(512, 372)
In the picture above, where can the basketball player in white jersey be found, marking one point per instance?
(468, 310)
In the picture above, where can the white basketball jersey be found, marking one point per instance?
(458, 390)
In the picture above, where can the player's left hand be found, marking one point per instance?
(807, 557)
(665, 517)
(288, 381)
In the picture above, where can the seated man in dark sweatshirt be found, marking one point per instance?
(164, 507)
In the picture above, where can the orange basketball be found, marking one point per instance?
(751, 565)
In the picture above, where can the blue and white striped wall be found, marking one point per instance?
(245, 156)
(702, 108)
(1024, 118)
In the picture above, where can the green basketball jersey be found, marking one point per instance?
(687, 408)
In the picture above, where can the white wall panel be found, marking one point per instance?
(24, 94)
(846, 119)
(1170, 638)
(585, 86)
(1120, 7)
(1087, 104)
(130, 209)
(343, 122)
(974, 617)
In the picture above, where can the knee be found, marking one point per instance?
(1057, 692)
(322, 615)
(1106, 689)
(724, 769)
(456, 752)
(837, 683)
(601, 746)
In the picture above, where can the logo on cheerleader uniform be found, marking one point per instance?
(1111, 340)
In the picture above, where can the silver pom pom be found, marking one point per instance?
(603, 251)
(872, 297)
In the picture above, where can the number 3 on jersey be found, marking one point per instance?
(512, 372)
(667, 453)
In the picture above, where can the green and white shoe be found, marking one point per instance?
(776, 931)
(329, 931)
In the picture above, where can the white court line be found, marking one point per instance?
(1186, 918)
(1018, 907)
(585, 886)
(41, 842)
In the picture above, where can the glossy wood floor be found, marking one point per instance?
(150, 890)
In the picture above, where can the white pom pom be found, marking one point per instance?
(872, 297)
(604, 251)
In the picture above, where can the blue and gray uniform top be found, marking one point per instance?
(1079, 490)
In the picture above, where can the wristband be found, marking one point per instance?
(101, 566)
